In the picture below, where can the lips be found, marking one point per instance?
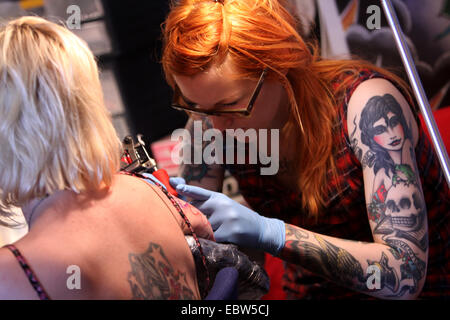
(395, 142)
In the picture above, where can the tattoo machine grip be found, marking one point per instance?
(162, 176)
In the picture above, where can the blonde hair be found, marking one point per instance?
(55, 131)
(258, 34)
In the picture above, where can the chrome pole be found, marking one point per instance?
(417, 87)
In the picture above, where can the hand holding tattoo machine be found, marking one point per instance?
(417, 87)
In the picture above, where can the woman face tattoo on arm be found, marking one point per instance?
(384, 130)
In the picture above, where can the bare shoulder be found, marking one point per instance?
(139, 192)
(162, 206)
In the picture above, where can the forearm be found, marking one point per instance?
(385, 271)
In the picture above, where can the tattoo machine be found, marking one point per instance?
(136, 159)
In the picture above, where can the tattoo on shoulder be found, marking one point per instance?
(366, 159)
(153, 277)
(397, 207)
(354, 142)
(384, 130)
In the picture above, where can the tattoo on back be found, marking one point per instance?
(153, 277)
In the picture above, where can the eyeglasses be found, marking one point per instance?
(224, 110)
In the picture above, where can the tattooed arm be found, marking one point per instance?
(356, 265)
(383, 130)
(207, 176)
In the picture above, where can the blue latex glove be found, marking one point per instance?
(174, 181)
(235, 223)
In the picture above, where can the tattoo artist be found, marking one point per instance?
(361, 190)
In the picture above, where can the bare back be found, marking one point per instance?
(127, 243)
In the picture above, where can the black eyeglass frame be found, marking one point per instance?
(243, 113)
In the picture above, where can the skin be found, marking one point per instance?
(118, 226)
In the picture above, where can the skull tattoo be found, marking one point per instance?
(405, 213)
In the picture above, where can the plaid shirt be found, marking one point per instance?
(345, 214)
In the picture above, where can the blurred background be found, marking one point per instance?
(125, 36)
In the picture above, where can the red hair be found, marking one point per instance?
(258, 34)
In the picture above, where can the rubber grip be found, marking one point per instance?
(162, 176)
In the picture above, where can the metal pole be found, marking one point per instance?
(417, 87)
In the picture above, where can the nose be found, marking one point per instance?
(221, 123)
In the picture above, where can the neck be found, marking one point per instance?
(33, 210)
(61, 202)
(37, 207)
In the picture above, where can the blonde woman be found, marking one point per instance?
(120, 235)
(243, 65)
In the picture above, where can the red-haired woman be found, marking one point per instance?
(243, 64)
